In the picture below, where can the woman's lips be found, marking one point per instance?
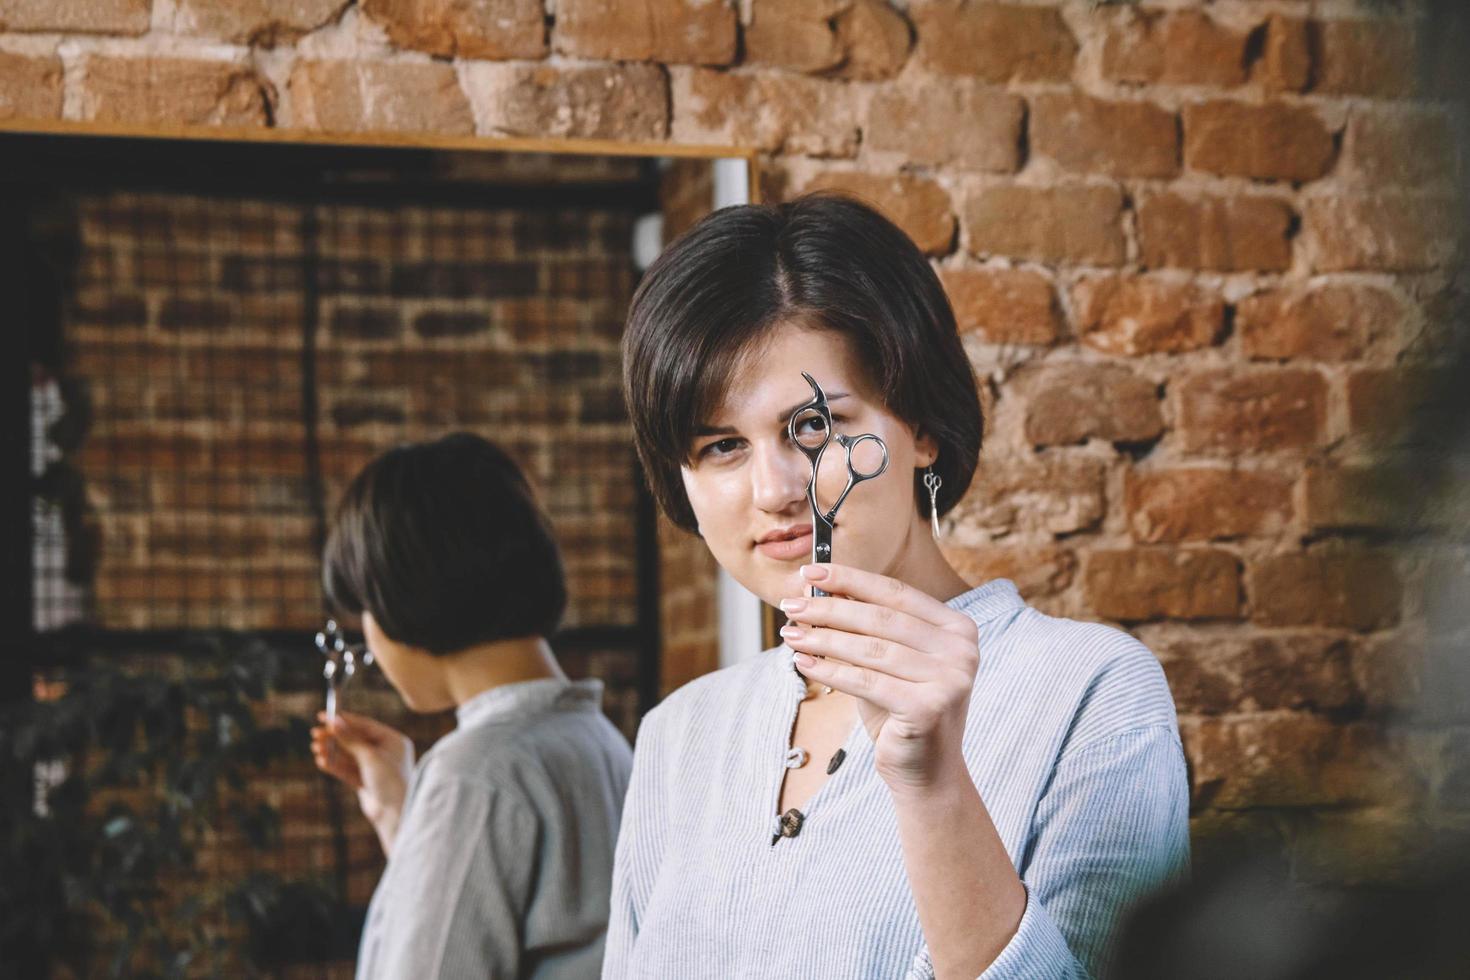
(787, 549)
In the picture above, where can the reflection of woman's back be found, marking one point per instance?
(500, 840)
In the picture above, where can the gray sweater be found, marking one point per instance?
(503, 859)
(1071, 739)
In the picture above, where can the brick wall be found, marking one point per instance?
(188, 326)
(1196, 249)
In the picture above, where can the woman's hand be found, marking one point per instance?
(909, 659)
(372, 758)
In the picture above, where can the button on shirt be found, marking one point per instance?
(503, 859)
(1071, 739)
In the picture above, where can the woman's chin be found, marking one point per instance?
(786, 583)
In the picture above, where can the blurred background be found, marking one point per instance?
(1208, 258)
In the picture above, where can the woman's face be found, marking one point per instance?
(412, 672)
(746, 480)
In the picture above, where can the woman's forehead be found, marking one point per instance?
(767, 377)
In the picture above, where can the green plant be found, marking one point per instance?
(112, 786)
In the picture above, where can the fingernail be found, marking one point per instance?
(803, 659)
(814, 573)
(792, 632)
(792, 606)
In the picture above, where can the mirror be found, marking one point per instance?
(219, 334)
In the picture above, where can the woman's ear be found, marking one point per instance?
(926, 448)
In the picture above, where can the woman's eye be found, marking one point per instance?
(817, 424)
(720, 447)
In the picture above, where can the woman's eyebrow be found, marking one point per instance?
(725, 430)
(833, 397)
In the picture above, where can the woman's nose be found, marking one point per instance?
(778, 478)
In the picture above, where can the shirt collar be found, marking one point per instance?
(529, 697)
(989, 601)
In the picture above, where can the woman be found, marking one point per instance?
(500, 840)
(985, 788)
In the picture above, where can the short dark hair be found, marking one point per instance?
(444, 543)
(825, 260)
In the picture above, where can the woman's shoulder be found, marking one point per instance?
(1113, 681)
(523, 754)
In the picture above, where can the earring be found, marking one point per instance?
(933, 481)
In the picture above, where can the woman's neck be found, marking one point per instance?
(922, 565)
(475, 670)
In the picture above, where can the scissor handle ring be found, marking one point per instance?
(812, 453)
(849, 443)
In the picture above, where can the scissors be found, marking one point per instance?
(342, 662)
(813, 443)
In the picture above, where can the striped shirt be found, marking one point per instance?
(503, 859)
(1071, 739)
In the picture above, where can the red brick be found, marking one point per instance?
(618, 102)
(109, 309)
(917, 205)
(1119, 139)
(1205, 504)
(669, 31)
(875, 38)
(259, 22)
(1390, 673)
(1214, 675)
(1145, 315)
(1359, 591)
(204, 314)
(1331, 322)
(1052, 493)
(1363, 57)
(442, 324)
(1284, 760)
(1361, 498)
(995, 42)
(171, 91)
(1186, 47)
(776, 113)
(1216, 837)
(857, 39)
(1271, 141)
(1401, 145)
(30, 88)
(1140, 584)
(497, 29)
(1389, 405)
(958, 124)
(1377, 847)
(1005, 306)
(1229, 234)
(1063, 223)
(350, 96)
(1071, 403)
(76, 16)
(1262, 411)
(1038, 570)
(367, 322)
(1378, 497)
(1392, 232)
(796, 34)
(1285, 64)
